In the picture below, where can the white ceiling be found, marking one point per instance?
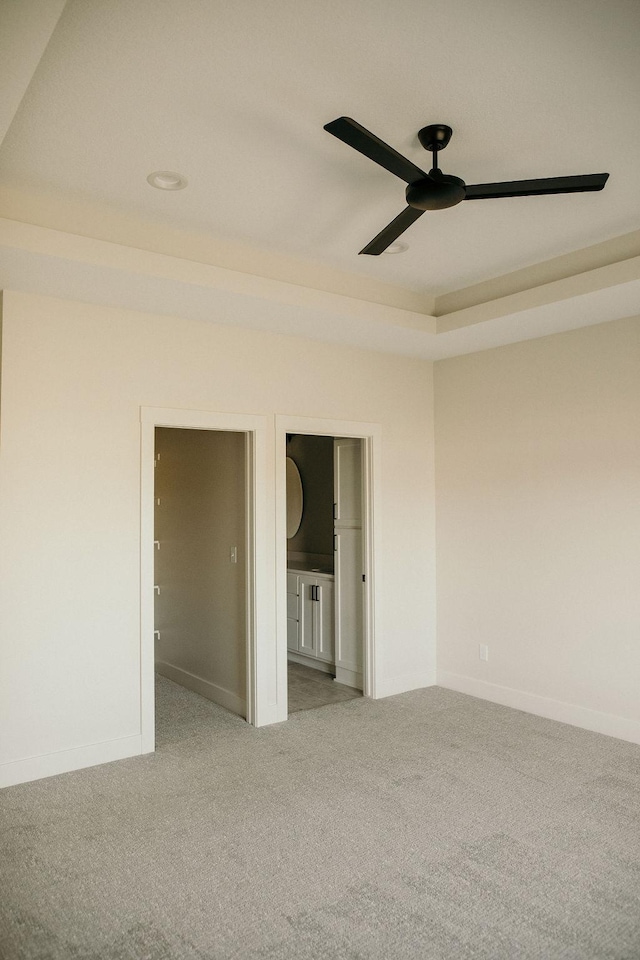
(234, 95)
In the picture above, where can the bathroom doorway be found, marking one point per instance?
(327, 509)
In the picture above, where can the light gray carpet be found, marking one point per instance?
(429, 825)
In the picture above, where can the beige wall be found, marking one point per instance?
(74, 379)
(538, 473)
(538, 523)
(200, 609)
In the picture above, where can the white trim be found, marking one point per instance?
(249, 703)
(350, 678)
(147, 605)
(322, 666)
(371, 436)
(65, 761)
(371, 513)
(363, 305)
(404, 683)
(225, 698)
(260, 611)
(606, 723)
(56, 263)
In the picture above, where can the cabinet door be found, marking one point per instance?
(307, 605)
(324, 620)
(293, 611)
(292, 635)
(347, 481)
(349, 599)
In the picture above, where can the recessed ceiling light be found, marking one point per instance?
(397, 247)
(166, 180)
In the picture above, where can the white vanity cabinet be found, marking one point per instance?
(293, 611)
(310, 615)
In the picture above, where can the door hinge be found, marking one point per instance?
(364, 578)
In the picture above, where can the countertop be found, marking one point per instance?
(300, 566)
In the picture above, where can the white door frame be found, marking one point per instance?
(371, 436)
(259, 611)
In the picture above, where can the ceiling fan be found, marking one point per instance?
(436, 190)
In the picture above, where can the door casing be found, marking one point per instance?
(371, 436)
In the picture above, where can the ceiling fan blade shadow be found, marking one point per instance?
(354, 135)
(392, 231)
(536, 188)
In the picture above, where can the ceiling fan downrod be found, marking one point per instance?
(437, 190)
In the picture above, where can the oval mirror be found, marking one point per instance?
(294, 498)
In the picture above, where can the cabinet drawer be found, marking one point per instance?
(293, 583)
(292, 606)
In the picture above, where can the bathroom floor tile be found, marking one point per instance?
(309, 688)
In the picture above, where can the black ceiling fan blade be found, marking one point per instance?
(536, 188)
(392, 231)
(351, 133)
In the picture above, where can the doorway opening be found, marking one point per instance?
(200, 569)
(325, 563)
(234, 580)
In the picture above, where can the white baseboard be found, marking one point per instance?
(312, 662)
(51, 764)
(351, 678)
(607, 723)
(223, 697)
(403, 684)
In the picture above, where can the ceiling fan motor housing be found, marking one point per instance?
(436, 192)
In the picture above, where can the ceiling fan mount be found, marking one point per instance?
(437, 190)
(435, 137)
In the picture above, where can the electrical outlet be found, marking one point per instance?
(483, 651)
